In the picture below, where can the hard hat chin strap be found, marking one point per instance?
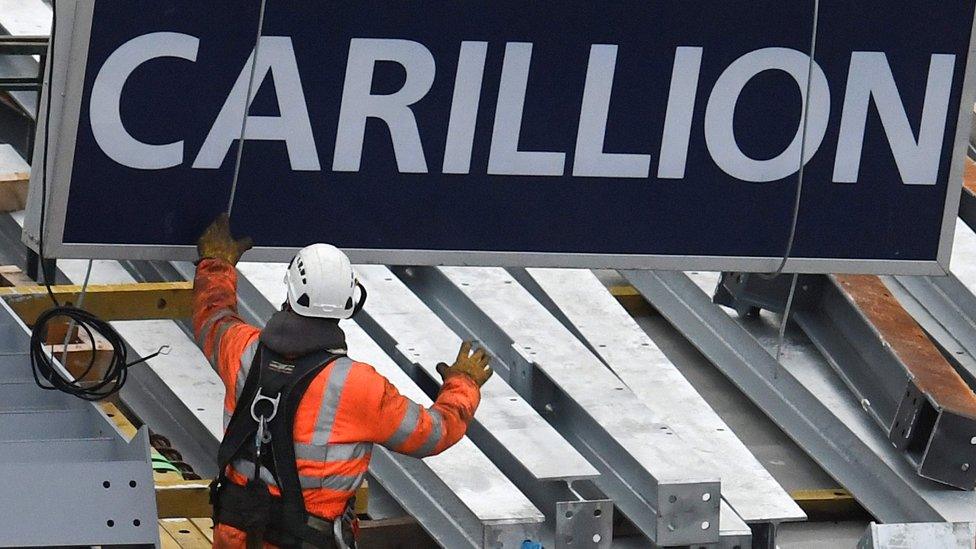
(362, 300)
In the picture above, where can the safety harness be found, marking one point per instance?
(260, 431)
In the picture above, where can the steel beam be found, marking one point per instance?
(805, 398)
(900, 378)
(69, 476)
(459, 496)
(946, 310)
(527, 449)
(584, 305)
(933, 535)
(651, 475)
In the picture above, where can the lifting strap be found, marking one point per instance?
(260, 431)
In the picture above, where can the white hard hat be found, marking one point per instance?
(322, 284)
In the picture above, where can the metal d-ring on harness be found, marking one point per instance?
(263, 435)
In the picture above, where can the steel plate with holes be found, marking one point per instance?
(584, 524)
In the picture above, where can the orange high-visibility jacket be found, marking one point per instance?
(347, 408)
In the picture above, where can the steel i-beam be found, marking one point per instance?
(527, 449)
(900, 378)
(651, 475)
(805, 398)
(583, 305)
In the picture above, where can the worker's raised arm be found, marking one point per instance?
(219, 331)
(400, 424)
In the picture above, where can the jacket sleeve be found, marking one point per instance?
(386, 417)
(227, 341)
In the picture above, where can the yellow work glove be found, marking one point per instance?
(218, 243)
(473, 365)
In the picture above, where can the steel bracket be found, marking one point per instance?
(585, 523)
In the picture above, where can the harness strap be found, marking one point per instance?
(271, 378)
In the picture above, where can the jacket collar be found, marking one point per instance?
(290, 334)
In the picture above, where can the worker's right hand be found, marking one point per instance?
(474, 365)
(217, 242)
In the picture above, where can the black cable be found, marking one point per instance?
(42, 361)
(44, 164)
(110, 381)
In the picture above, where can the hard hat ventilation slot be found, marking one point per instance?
(303, 300)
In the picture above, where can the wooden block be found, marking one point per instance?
(186, 534)
(833, 504)
(394, 533)
(205, 525)
(136, 301)
(11, 275)
(183, 499)
(166, 541)
(13, 191)
(362, 499)
(77, 357)
(121, 421)
(632, 300)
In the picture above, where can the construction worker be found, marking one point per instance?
(301, 417)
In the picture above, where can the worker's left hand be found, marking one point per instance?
(218, 243)
(474, 365)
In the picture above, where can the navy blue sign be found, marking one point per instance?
(624, 134)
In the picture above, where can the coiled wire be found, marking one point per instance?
(50, 377)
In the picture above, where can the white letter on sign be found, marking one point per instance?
(277, 56)
(590, 160)
(870, 76)
(720, 135)
(464, 107)
(681, 110)
(504, 158)
(104, 109)
(358, 103)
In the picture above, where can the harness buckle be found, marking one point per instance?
(274, 407)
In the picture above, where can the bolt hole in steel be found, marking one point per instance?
(597, 538)
(706, 496)
(132, 484)
(138, 522)
(569, 514)
(161, 304)
(106, 484)
(672, 499)
(597, 513)
(705, 525)
(110, 523)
